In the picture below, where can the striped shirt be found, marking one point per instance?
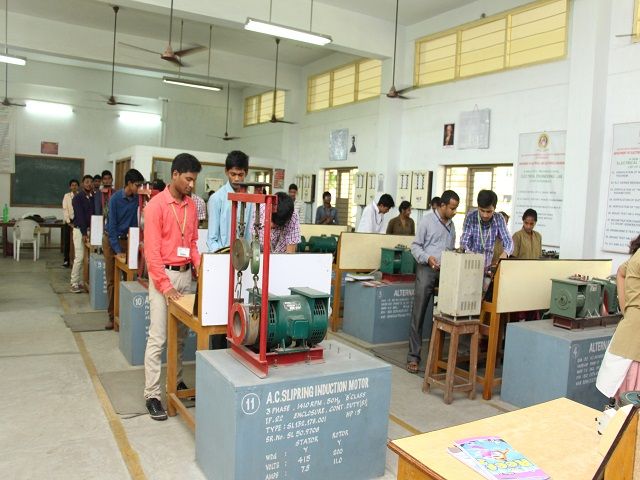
(201, 207)
(479, 239)
(281, 237)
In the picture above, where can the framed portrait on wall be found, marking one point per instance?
(448, 135)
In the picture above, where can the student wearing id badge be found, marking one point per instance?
(171, 235)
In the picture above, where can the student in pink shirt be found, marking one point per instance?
(171, 235)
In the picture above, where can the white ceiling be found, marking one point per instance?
(409, 11)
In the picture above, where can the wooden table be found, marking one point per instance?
(120, 267)
(5, 234)
(182, 311)
(559, 436)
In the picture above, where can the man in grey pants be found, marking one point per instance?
(436, 233)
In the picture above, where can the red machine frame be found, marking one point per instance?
(259, 362)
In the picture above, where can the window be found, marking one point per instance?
(467, 181)
(343, 85)
(259, 108)
(636, 21)
(530, 34)
(340, 183)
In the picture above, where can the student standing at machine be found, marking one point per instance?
(67, 213)
(103, 194)
(285, 226)
(171, 250)
(298, 204)
(82, 211)
(403, 224)
(122, 215)
(481, 228)
(372, 220)
(325, 213)
(436, 233)
(236, 167)
(620, 368)
(527, 243)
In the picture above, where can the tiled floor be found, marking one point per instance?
(54, 425)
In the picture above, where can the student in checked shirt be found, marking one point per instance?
(171, 235)
(285, 226)
(122, 215)
(481, 229)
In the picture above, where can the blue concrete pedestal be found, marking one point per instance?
(543, 362)
(134, 325)
(97, 282)
(304, 421)
(381, 314)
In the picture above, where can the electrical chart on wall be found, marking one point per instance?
(7, 141)
(622, 221)
(339, 144)
(540, 182)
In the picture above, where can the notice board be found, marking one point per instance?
(42, 181)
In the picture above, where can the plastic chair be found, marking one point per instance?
(26, 231)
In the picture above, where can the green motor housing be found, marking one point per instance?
(397, 260)
(575, 298)
(609, 294)
(318, 244)
(296, 321)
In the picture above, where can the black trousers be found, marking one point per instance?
(426, 281)
(65, 232)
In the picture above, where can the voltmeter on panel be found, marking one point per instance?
(404, 187)
(300, 184)
(372, 179)
(360, 190)
(307, 188)
(421, 189)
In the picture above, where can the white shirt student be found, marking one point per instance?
(373, 216)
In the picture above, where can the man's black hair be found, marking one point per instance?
(106, 173)
(530, 212)
(326, 194)
(386, 200)
(293, 186)
(133, 176)
(435, 201)
(158, 184)
(404, 205)
(487, 198)
(95, 177)
(447, 196)
(87, 176)
(74, 180)
(185, 162)
(237, 159)
(284, 211)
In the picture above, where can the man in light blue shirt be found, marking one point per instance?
(436, 234)
(219, 206)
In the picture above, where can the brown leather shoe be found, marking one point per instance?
(109, 325)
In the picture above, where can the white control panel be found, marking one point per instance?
(420, 189)
(404, 187)
(360, 188)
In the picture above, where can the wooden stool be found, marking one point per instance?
(452, 379)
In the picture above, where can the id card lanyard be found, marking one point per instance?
(482, 237)
(184, 222)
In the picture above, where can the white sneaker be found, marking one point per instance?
(76, 288)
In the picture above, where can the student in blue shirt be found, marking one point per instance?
(102, 195)
(219, 207)
(122, 214)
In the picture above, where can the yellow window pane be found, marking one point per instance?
(369, 79)
(318, 92)
(344, 80)
(539, 13)
(547, 52)
(436, 60)
(482, 48)
(251, 110)
(266, 107)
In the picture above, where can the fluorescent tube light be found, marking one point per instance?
(13, 60)
(286, 32)
(191, 83)
(47, 108)
(140, 119)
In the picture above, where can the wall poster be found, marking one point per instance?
(622, 220)
(339, 144)
(7, 140)
(473, 128)
(539, 182)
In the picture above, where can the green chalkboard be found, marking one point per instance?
(42, 181)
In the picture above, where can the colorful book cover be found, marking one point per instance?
(499, 459)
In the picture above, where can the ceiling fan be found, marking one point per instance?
(393, 92)
(274, 119)
(112, 100)
(169, 54)
(5, 101)
(226, 127)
